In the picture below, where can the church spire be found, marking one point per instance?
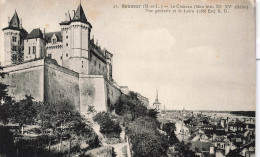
(156, 99)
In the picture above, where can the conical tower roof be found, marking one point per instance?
(15, 22)
(80, 15)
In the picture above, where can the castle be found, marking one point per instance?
(67, 64)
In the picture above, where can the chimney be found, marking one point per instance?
(8, 21)
(74, 12)
(21, 23)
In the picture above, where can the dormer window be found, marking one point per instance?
(54, 41)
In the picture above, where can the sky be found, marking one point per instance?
(197, 62)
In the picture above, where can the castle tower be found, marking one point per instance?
(66, 38)
(76, 35)
(157, 104)
(13, 39)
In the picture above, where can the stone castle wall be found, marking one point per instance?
(25, 79)
(97, 91)
(46, 81)
(61, 84)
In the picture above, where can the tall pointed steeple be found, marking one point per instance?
(156, 99)
(80, 15)
(15, 22)
(157, 104)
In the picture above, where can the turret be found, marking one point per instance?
(14, 35)
(76, 38)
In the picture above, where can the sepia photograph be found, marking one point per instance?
(128, 78)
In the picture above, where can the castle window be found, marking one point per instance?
(67, 44)
(49, 55)
(29, 50)
(95, 63)
(60, 57)
(34, 49)
(90, 56)
(53, 41)
(99, 66)
(14, 39)
(67, 37)
(67, 55)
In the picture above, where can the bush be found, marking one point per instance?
(107, 125)
(145, 138)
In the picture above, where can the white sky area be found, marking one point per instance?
(199, 62)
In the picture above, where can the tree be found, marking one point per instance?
(173, 139)
(153, 113)
(130, 104)
(169, 128)
(64, 120)
(5, 100)
(145, 138)
(24, 112)
(107, 125)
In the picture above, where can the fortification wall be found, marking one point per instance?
(25, 79)
(44, 80)
(61, 84)
(113, 93)
(96, 91)
(92, 92)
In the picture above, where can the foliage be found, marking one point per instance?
(153, 113)
(6, 140)
(173, 139)
(130, 104)
(169, 128)
(63, 119)
(5, 100)
(184, 150)
(24, 111)
(52, 115)
(145, 138)
(107, 125)
(101, 117)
